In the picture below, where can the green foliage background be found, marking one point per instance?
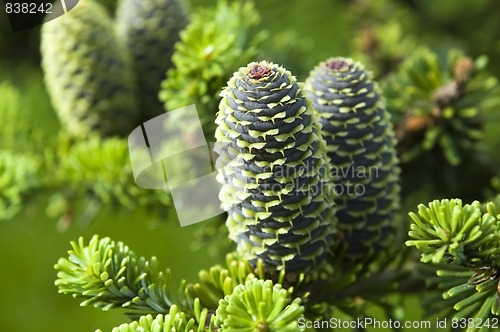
(32, 242)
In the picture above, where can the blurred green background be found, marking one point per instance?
(32, 242)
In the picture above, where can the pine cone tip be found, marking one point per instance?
(338, 64)
(259, 70)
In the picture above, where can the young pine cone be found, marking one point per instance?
(150, 28)
(274, 170)
(87, 73)
(361, 146)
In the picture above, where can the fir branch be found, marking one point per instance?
(258, 305)
(382, 34)
(352, 288)
(175, 320)
(18, 176)
(219, 281)
(216, 42)
(448, 231)
(10, 113)
(383, 46)
(439, 104)
(106, 274)
(462, 293)
(99, 169)
(463, 243)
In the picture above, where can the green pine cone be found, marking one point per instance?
(276, 184)
(150, 28)
(361, 146)
(87, 73)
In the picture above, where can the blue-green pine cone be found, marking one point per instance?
(150, 28)
(274, 170)
(361, 146)
(87, 73)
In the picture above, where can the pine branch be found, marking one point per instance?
(175, 320)
(98, 170)
(19, 174)
(463, 244)
(384, 46)
(219, 281)
(449, 232)
(258, 305)
(106, 274)
(439, 104)
(352, 288)
(382, 34)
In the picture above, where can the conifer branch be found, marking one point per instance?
(449, 232)
(439, 104)
(175, 320)
(216, 42)
(461, 244)
(106, 274)
(258, 305)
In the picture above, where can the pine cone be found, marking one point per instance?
(87, 73)
(276, 184)
(361, 146)
(150, 28)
